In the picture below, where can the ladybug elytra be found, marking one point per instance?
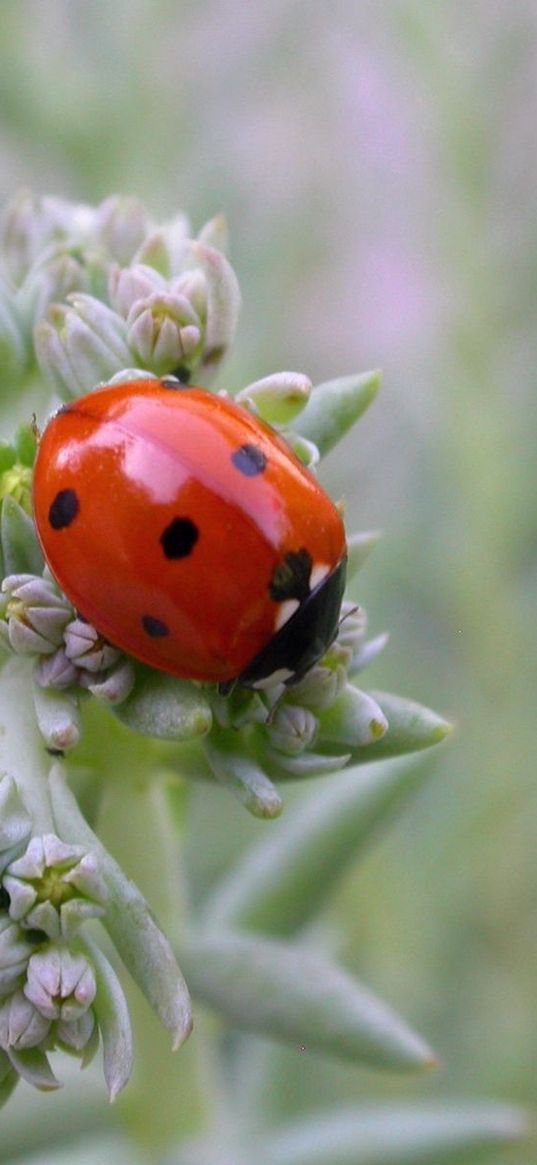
(189, 534)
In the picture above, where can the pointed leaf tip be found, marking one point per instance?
(334, 407)
(288, 992)
(411, 728)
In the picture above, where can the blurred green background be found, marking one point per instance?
(376, 163)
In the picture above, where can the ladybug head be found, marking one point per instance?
(303, 639)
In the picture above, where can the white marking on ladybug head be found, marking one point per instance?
(284, 612)
(319, 571)
(280, 676)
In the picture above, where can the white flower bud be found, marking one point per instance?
(60, 984)
(21, 1024)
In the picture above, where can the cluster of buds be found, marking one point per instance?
(51, 984)
(69, 656)
(89, 290)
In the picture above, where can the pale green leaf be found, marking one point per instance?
(112, 1013)
(359, 547)
(354, 720)
(411, 727)
(457, 1133)
(290, 993)
(272, 889)
(164, 707)
(239, 772)
(20, 549)
(334, 406)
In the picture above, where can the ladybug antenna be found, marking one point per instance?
(352, 611)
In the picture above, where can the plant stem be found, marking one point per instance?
(22, 752)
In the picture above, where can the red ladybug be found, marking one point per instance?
(187, 532)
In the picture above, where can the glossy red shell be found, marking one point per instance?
(136, 460)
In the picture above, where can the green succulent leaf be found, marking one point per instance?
(278, 398)
(334, 407)
(114, 1023)
(354, 720)
(271, 889)
(162, 706)
(459, 1133)
(25, 445)
(411, 727)
(307, 764)
(8, 1082)
(32, 1065)
(290, 993)
(237, 771)
(20, 549)
(8, 456)
(359, 547)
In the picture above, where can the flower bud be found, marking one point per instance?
(215, 233)
(223, 303)
(56, 671)
(320, 686)
(292, 729)
(54, 887)
(127, 285)
(60, 272)
(164, 332)
(15, 950)
(81, 344)
(277, 398)
(21, 1024)
(26, 229)
(165, 247)
(87, 649)
(76, 1034)
(15, 344)
(368, 651)
(193, 285)
(34, 612)
(121, 225)
(32, 224)
(59, 983)
(113, 686)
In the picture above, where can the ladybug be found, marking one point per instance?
(189, 534)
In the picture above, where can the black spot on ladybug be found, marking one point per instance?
(291, 578)
(179, 538)
(249, 460)
(156, 628)
(64, 509)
